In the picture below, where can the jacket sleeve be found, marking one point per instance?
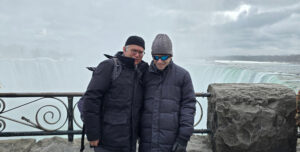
(93, 98)
(187, 110)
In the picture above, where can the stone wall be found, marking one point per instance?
(252, 118)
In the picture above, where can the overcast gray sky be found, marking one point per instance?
(197, 27)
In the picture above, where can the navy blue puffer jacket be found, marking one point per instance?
(112, 109)
(169, 107)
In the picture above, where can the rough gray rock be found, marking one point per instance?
(198, 143)
(252, 118)
(16, 145)
(57, 144)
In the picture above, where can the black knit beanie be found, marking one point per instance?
(135, 40)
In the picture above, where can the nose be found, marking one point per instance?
(159, 61)
(136, 55)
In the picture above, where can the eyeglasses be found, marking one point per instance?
(163, 58)
(137, 52)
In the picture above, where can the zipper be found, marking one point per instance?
(159, 100)
(131, 110)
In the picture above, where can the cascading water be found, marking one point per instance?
(42, 74)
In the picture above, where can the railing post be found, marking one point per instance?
(71, 117)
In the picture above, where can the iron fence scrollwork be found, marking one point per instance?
(49, 118)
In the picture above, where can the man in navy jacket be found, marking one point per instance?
(112, 107)
(169, 102)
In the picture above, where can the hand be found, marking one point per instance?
(94, 143)
(177, 147)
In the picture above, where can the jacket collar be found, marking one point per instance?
(128, 62)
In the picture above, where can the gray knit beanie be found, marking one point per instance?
(162, 45)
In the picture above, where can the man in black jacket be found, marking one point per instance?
(169, 102)
(111, 107)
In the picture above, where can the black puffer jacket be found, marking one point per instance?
(169, 107)
(112, 108)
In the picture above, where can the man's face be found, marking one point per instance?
(134, 51)
(161, 61)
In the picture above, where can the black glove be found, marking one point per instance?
(179, 146)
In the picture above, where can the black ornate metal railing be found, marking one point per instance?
(49, 116)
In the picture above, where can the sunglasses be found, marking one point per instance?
(163, 58)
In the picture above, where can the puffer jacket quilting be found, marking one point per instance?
(112, 108)
(169, 107)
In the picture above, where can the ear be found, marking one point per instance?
(124, 49)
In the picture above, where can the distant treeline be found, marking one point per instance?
(264, 58)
